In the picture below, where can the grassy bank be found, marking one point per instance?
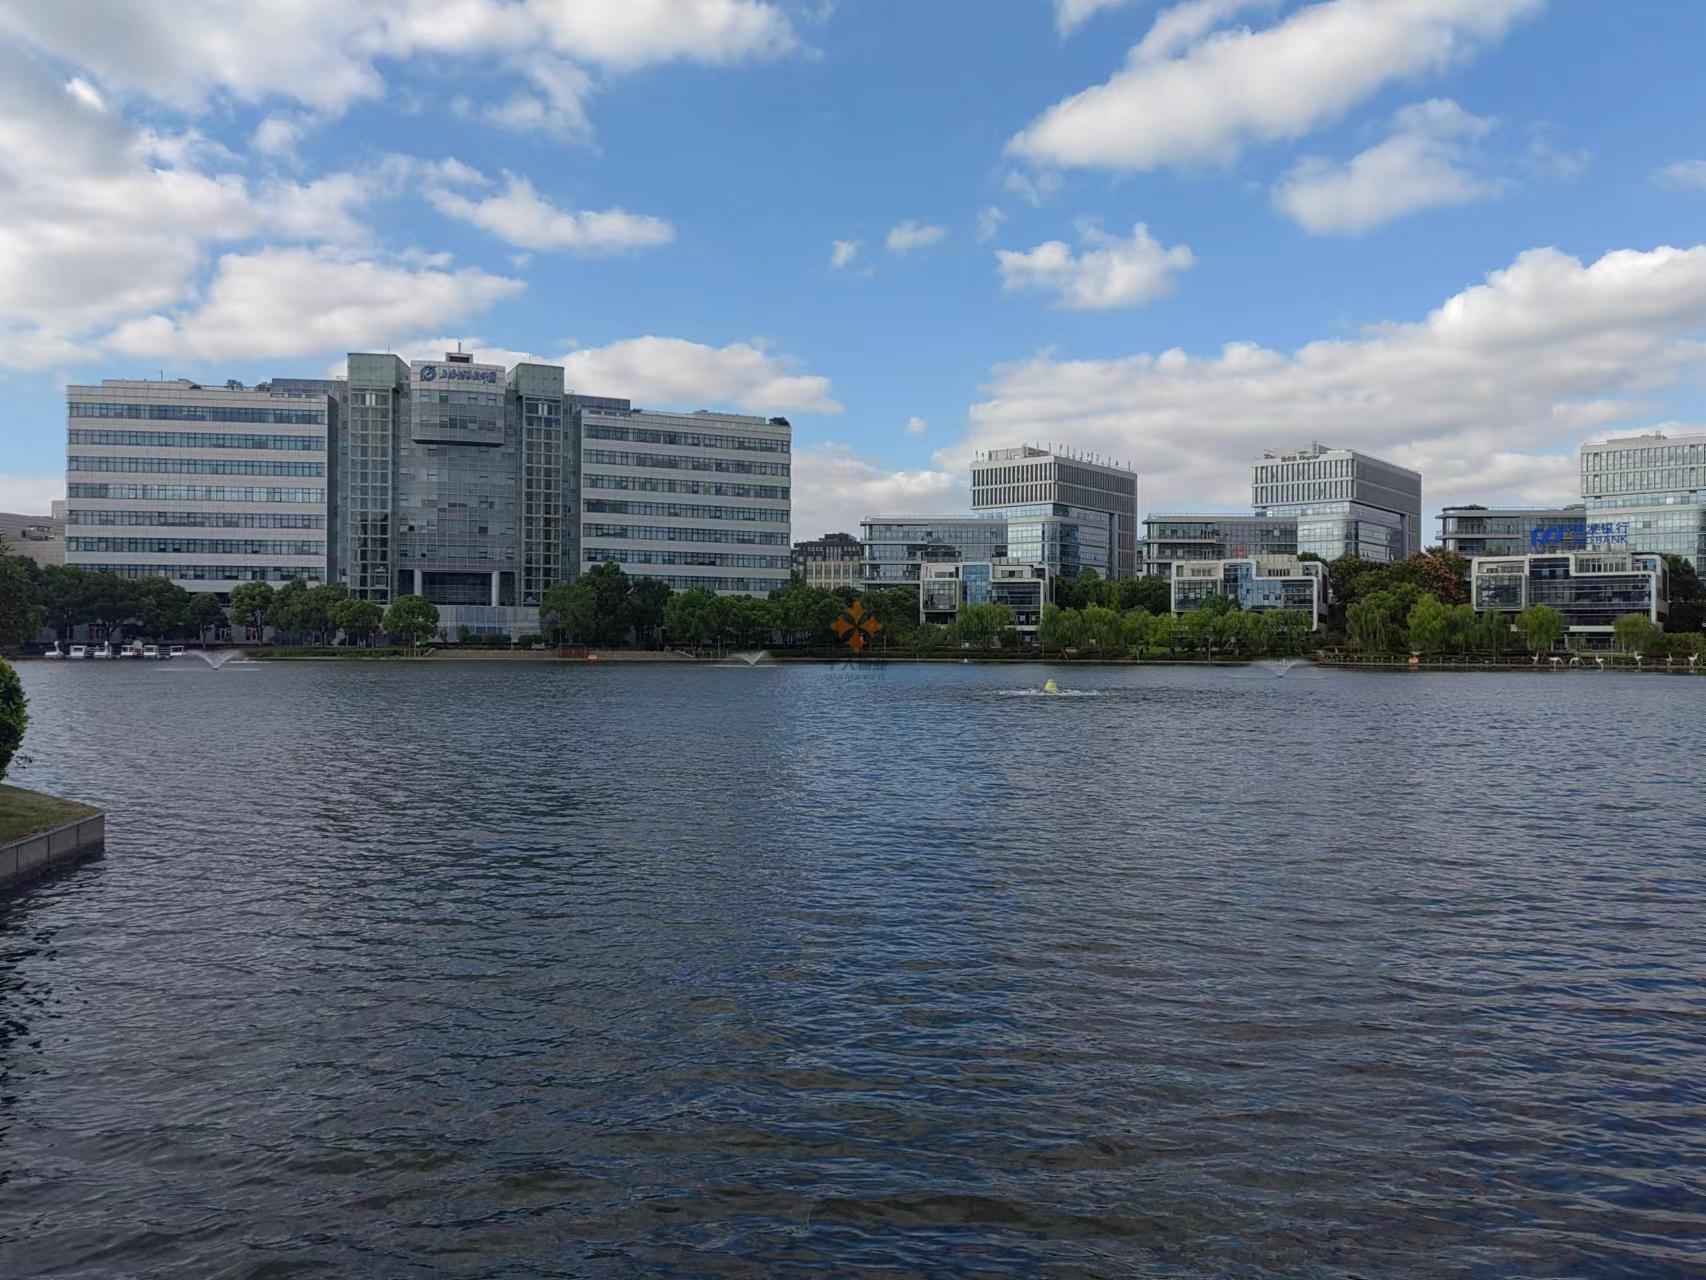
(23, 813)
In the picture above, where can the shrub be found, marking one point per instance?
(14, 715)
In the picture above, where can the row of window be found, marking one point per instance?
(706, 488)
(598, 555)
(694, 439)
(685, 510)
(661, 533)
(198, 519)
(196, 546)
(194, 493)
(674, 462)
(199, 413)
(198, 466)
(211, 572)
(198, 440)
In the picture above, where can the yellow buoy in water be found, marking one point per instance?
(1051, 686)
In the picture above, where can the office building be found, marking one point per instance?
(1647, 493)
(1592, 589)
(946, 588)
(1168, 539)
(38, 538)
(691, 499)
(1472, 531)
(834, 560)
(1345, 502)
(1069, 512)
(207, 486)
(896, 547)
(1256, 584)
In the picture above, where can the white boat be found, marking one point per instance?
(176, 651)
(79, 651)
(103, 650)
(55, 652)
(150, 651)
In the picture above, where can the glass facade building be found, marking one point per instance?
(946, 588)
(1345, 502)
(1472, 531)
(1647, 493)
(1592, 589)
(1068, 512)
(207, 486)
(1257, 584)
(896, 547)
(1172, 538)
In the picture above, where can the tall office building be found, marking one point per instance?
(1061, 510)
(207, 486)
(1647, 493)
(691, 499)
(1346, 503)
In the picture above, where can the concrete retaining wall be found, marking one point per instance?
(34, 855)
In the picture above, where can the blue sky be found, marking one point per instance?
(1465, 234)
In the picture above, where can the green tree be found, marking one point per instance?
(563, 608)
(1460, 628)
(64, 592)
(1376, 622)
(1541, 627)
(1443, 575)
(1636, 633)
(412, 618)
(20, 615)
(162, 608)
(1050, 628)
(1493, 634)
(1430, 625)
(687, 616)
(647, 602)
(250, 603)
(357, 619)
(204, 613)
(611, 611)
(1687, 597)
(14, 715)
(1151, 593)
(317, 608)
(1104, 629)
(982, 624)
(927, 639)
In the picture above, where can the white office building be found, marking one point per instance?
(1346, 503)
(1062, 509)
(207, 486)
(691, 499)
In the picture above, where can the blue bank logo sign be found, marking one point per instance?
(1609, 534)
(456, 373)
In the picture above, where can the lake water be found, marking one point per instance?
(480, 970)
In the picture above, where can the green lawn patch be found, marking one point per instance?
(23, 813)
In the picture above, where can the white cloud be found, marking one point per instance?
(989, 224)
(1487, 396)
(1035, 189)
(916, 426)
(520, 216)
(1177, 29)
(911, 235)
(276, 136)
(1069, 15)
(30, 495)
(835, 487)
(1108, 272)
(842, 253)
(324, 54)
(1239, 86)
(1684, 173)
(279, 303)
(1424, 164)
(676, 373)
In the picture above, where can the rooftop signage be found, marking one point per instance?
(455, 373)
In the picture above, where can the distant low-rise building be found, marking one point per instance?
(945, 589)
(38, 538)
(1256, 584)
(1472, 531)
(1169, 538)
(834, 560)
(1591, 589)
(896, 547)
